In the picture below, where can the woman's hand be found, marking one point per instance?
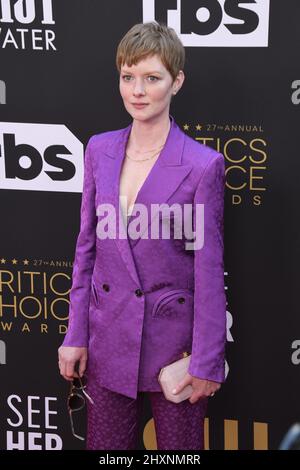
(68, 356)
(202, 388)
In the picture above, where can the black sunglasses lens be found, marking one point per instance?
(76, 402)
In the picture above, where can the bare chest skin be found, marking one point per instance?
(133, 175)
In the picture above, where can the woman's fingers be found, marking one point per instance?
(82, 365)
(68, 357)
(70, 369)
(66, 368)
(62, 370)
(182, 384)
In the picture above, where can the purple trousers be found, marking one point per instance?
(112, 422)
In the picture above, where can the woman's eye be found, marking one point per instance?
(151, 78)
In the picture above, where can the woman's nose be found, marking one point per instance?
(138, 88)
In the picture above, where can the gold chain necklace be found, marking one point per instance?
(143, 160)
(152, 150)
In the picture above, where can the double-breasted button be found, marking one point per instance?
(181, 300)
(138, 293)
(105, 287)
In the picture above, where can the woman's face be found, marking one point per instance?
(147, 88)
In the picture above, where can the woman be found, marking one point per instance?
(138, 302)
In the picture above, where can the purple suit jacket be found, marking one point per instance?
(139, 304)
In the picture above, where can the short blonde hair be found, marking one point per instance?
(147, 39)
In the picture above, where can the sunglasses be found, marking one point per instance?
(77, 400)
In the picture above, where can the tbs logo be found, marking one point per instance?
(213, 23)
(40, 157)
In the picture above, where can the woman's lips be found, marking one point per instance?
(139, 105)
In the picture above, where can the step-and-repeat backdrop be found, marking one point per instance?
(59, 86)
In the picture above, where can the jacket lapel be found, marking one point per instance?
(162, 181)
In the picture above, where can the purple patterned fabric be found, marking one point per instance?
(113, 421)
(124, 300)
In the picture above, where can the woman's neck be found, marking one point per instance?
(146, 135)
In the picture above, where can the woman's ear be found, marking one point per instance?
(178, 82)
